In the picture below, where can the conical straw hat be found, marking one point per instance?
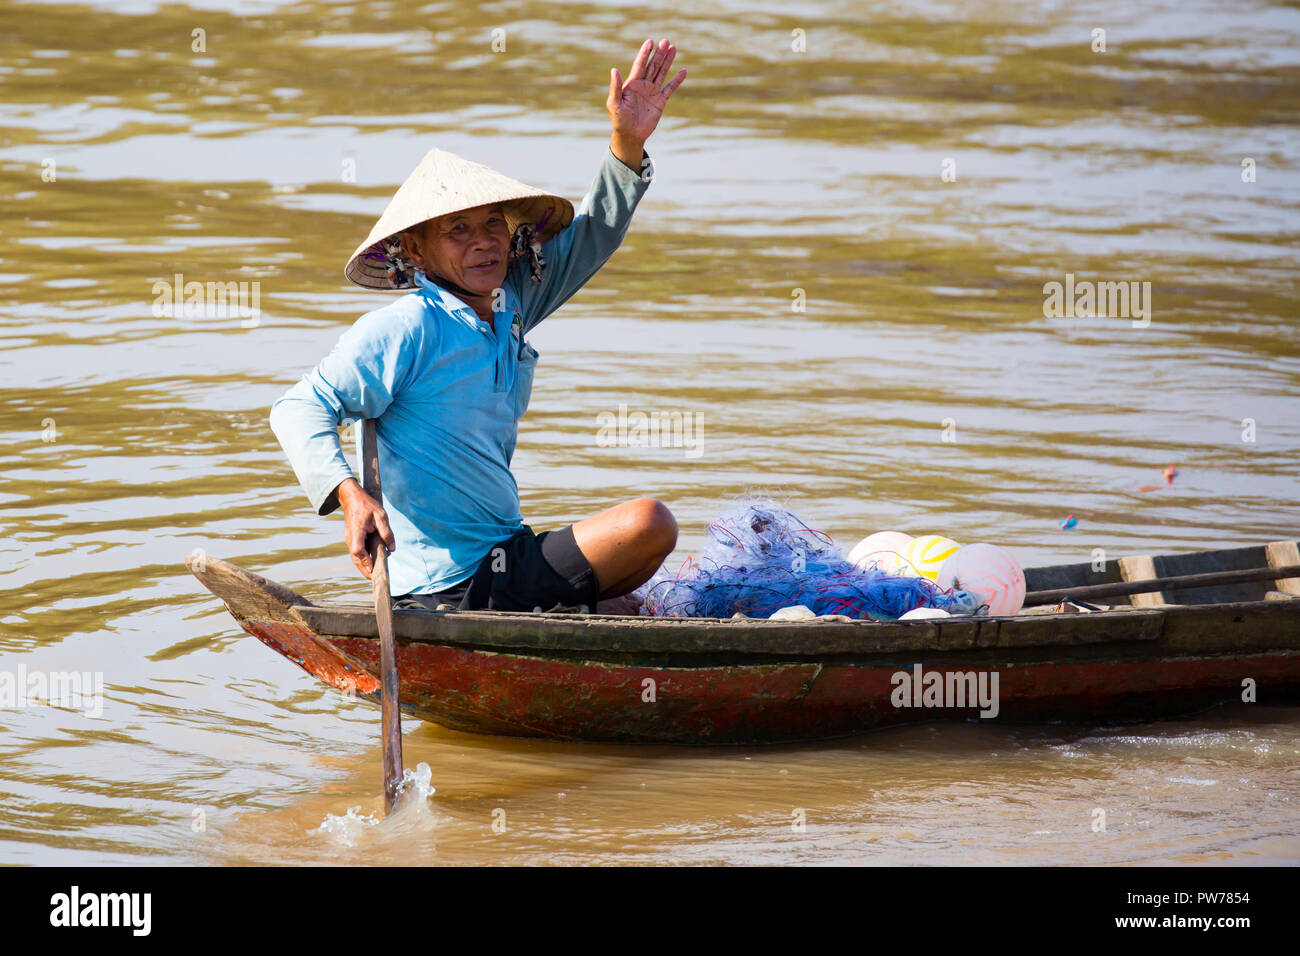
(444, 183)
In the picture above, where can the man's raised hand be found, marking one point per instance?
(635, 106)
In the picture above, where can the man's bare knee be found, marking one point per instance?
(656, 527)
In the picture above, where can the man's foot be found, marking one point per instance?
(624, 605)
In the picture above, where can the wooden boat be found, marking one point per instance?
(744, 681)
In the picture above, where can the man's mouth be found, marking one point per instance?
(486, 266)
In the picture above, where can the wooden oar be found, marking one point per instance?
(391, 715)
(1179, 582)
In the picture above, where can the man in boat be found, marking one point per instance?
(447, 373)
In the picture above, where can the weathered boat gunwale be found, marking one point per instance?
(786, 640)
(1152, 633)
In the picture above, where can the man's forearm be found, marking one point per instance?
(308, 432)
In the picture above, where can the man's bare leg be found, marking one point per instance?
(626, 544)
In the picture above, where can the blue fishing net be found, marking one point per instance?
(762, 558)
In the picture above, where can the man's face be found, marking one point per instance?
(467, 247)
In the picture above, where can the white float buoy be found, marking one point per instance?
(882, 551)
(988, 572)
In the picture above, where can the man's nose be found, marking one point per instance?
(485, 238)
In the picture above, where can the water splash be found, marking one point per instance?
(411, 811)
(414, 791)
(344, 830)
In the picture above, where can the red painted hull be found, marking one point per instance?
(524, 695)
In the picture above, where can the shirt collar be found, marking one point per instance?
(460, 309)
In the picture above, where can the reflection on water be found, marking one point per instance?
(130, 438)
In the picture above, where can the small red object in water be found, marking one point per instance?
(1169, 474)
(1069, 522)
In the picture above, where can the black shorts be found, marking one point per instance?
(526, 572)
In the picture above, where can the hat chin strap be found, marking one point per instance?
(450, 286)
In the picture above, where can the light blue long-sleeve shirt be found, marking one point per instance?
(448, 395)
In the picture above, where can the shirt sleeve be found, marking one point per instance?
(582, 247)
(359, 379)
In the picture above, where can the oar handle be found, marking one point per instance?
(391, 715)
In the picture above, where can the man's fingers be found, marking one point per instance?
(667, 55)
(677, 81)
(362, 561)
(615, 88)
(648, 70)
(367, 518)
(355, 539)
(638, 65)
(385, 532)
